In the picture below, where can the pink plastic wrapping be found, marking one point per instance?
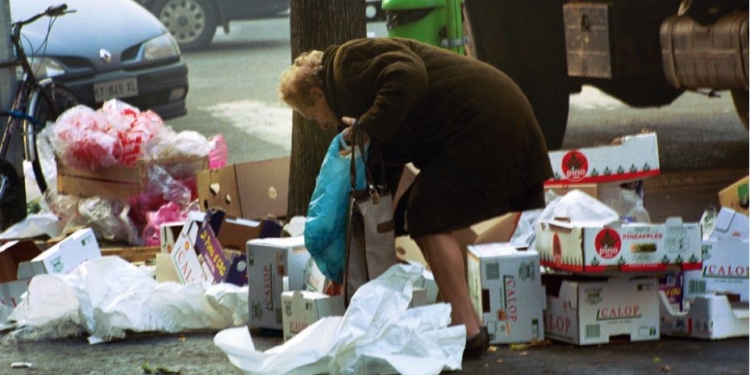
(115, 134)
(83, 139)
(219, 153)
(167, 213)
(120, 134)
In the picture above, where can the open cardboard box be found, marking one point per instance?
(12, 288)
(634, 157)
(251, 190)
(584, 247)
(120, 181)
(710, 316)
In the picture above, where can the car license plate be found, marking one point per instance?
(121, 88)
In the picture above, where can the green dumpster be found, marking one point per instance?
(436, 22)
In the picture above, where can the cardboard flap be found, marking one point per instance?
(12, 254)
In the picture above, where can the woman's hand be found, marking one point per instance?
(347, 133)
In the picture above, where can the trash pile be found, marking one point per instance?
(589, 267)
(118, 170)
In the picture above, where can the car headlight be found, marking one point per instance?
(161, 47)
(46, 67)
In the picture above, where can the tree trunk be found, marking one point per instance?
(316, 24)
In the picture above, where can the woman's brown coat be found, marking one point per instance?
(464, 124)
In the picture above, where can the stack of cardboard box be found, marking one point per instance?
(712, 302)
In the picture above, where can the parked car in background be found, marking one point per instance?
(105, 50)
(193, 23)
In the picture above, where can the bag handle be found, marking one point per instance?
(357, 139)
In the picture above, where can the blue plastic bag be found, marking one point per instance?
(325, 225)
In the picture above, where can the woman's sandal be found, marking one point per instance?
(477, 344)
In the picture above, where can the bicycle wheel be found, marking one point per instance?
(45, 104)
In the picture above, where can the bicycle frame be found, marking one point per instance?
(26, 86)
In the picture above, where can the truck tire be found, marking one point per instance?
(192, 22)
(525, 39)
(740, 99)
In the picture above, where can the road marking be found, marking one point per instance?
(272, 124)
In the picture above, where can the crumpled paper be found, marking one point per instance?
(377, 335)
(108, 296)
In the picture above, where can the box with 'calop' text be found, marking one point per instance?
(585, 311)
(505, 288)
(274, 265)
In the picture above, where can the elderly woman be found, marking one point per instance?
(465, 125)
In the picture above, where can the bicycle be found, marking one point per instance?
(35, 102)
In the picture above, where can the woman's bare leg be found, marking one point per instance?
(449, 268)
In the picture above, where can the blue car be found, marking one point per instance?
(193, 22)
(107, 49)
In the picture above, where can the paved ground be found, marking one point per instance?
(195, 354)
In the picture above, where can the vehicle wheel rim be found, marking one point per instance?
(185, 19)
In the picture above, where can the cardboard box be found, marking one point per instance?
(586, 311)
(315, 281)
(505, 288)
(166, 270)
(635, 247)
(197, 253)
(12, 254)
(407, 250)
(725, 269)
(119, 181)
(64, 256)
(269, 262)
(726, 223)
(497, 229)
(168, 234)
(735, 196)
(233, 233)
(303, 308)
(636, 157)
(710, 317)
(671, 285)
(251, 190)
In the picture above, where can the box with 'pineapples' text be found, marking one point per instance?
(636, 157)
(505, 288)
(586, 311)
(634, 247)
(274, 265)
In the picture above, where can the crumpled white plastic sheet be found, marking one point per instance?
(106, 297)
(578, 206)
(377, 335)
(35, 225)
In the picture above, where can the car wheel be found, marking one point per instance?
(191, 22)
(740, 99)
